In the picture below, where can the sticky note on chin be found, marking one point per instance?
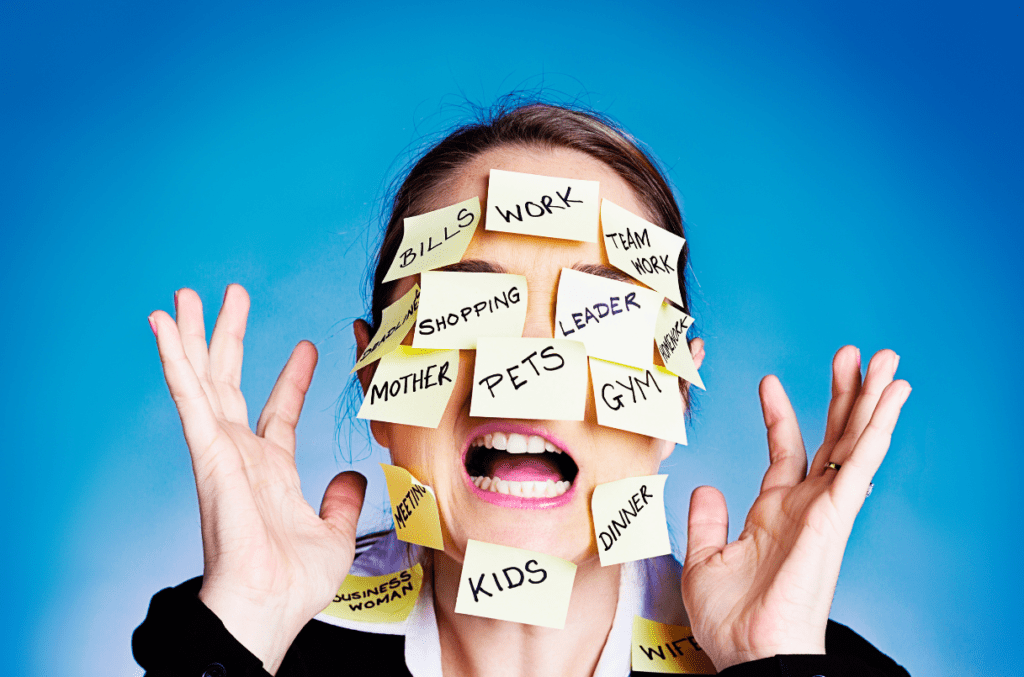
(658, 647)
(629, 519)
(543, 206)
(378, 599)
(642, 250)
(411, 386)
(613, 319)
(435, 239)
(531, 378)
(395, 322)
(516, 585)
(413, 508)
(645, 401)
(670, 335)
(456, 308)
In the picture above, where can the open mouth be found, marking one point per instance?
(520, 465)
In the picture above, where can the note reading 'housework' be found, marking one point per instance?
(378, 599)
(642, 250)
(629, 519)
(413, 508)
(456, 308)
(542, 205)
(435, 239)
(411, 386)
(658, 647)
(670, 335)
(395, 323)
(645, 401)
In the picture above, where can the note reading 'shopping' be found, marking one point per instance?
(456, 308)
(543, 206)
(436, 239)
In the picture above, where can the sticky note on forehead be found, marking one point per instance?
(542, 205)
(629, 519)
(413, 508)
(516, 585)
(642, 250)
(456, 308)
(613, 319)
(529, 378)
(644, 401)
(671, 649)
(378, 599)
(670, 336)
(411, 386)
(395, 322)
(435, 239)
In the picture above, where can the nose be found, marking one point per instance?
(540, 311)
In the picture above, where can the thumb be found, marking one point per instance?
(707, 529)
(342, 502)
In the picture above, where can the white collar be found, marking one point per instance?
(648, 588)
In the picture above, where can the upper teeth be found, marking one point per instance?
(514, 443)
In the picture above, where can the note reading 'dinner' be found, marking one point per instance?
(457, 308)
(645, 401)
(543, 206)
(629, 519)
(413, 508)
(411, 386)
(436, 239)
(671, 649)
(642, 250)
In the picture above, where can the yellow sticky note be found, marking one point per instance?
(542, 205)
(435, 239)
(670, 335)
(529, 378)
(614, 320)
(644, 401)
(629, 519)
(378, 599)
(395, 322)
(413, 508)
(516, 585)
(411, 386)
(658, 647)
(456, 308)
(641, 249)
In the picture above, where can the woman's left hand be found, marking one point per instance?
(769, 591)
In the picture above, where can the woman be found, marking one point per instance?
(757, 606)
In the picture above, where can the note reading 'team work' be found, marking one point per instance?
(544, 206)
(629, 519)
(529, 378)
(613, 319)
(670, 335)
(645, 401)
(395, 323)
(456, 308)
(413, 508)
(642, 250)
(516, 585)
(378, 599)
(411, 386)
(435, 239)
(658, 647)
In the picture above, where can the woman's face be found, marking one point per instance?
(438, 457)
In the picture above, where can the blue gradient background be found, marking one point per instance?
(851, 174)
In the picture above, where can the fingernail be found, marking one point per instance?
(895, 364)
(175, 301)
(152, 324)
(858, 357)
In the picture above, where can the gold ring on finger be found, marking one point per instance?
(833, 466)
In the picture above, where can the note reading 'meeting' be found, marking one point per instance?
(644, 401)
(395, 322)
(378, 599)
(530, 378)
(438, 238)
(629, 519)
(613, 319)
(544, 206)
(670, 335)
(511, 584)
(457, 308)
(413, 508)
(411, 386)
(641, 249)
(672, 649)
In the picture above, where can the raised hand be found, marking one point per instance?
(270, 562)
(769, 592)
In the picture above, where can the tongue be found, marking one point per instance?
(525, 469)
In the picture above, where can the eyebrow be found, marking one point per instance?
(602, 270)
(481, 266)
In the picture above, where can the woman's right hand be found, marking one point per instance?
(270, 562)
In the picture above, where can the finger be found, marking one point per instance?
(192, 329)
(851, 484)
(707, 528)
(785, 445)
(281, 413)
(881, 370)
(845, 388)
(226, 353)
(342, 503)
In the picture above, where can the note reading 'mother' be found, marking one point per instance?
(411, 386)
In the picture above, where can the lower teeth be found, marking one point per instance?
(546, 489)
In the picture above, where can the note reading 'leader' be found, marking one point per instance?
(670, 335)
(456, 308)
(411, 386)
(658, 647)
(413, 508)
(378, 599)
(644, 401)
(542, 205)
(395, 322)
(615, 320)
(435, 239)
(629, 519)
(641, 249)
(516, 585)
(529, 378)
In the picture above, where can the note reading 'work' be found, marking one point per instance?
(438, 238)
(645, 401)
(670, 335)
(456, 308)
(395, 323)
(378, 599)
(413, 508)
(411, 386)
(629, 519)
(641, 249)
(542, 205)
(658, 647)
